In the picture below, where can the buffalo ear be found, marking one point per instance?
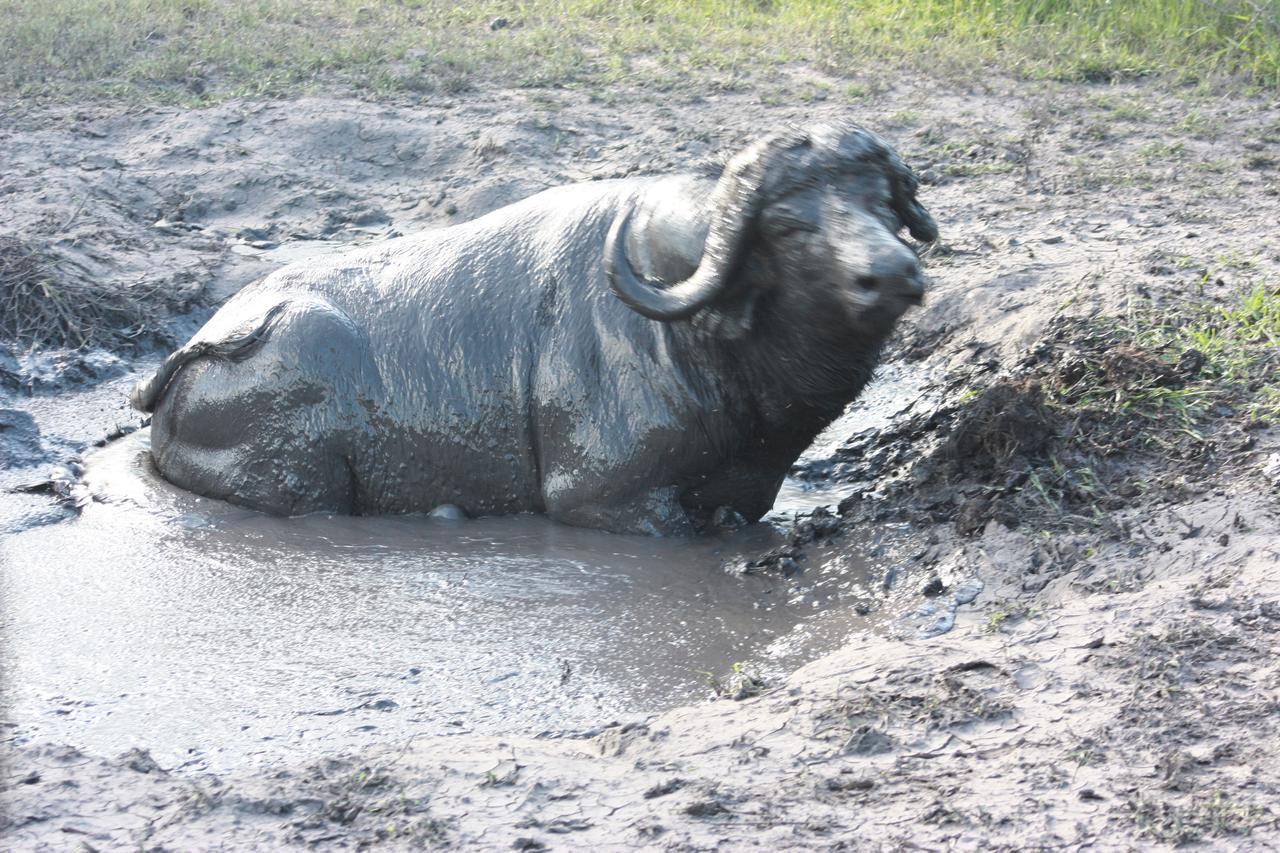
(920, 223)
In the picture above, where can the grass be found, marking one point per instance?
(1240, 344)
(1062, 443)
(1210, 815)
(208, 49)
(1160, 380)
(739, 684)
(1005, 614)
(1122, 108)
(1175, 368)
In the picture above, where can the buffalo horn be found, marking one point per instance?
(734, 204)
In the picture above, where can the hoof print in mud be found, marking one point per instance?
(642, 355)
(20, 443)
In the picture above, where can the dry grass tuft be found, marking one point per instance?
(43, 302)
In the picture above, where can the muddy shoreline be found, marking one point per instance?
(1104, 676)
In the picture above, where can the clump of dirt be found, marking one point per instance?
(1008, 426)
(1057, 439)
(48, 301)
(1124, 365)
(818, 526)
(1093, 416)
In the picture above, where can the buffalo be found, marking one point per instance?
(647, 355)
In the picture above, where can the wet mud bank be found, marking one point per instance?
(1072, 500)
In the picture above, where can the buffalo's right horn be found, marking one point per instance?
(734, 203)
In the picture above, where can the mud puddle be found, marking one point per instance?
(214, 636)
(896, 388)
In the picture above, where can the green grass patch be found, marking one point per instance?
(201, 49)
(1165, 373)
(1158, 382)
(1239, 343)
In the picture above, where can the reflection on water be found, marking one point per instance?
(214, 635)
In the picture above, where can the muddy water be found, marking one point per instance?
(895, 389)
(215, 636)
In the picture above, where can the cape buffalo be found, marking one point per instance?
(632, 355)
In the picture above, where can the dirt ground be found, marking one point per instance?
(1099, 669)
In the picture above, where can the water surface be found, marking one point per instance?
(215, 635)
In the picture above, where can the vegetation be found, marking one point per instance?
(44, 302)
(1159, 381)
(1063, 442)
(1185, 365)
(739, 684)
(1210, 815)
(200, 49)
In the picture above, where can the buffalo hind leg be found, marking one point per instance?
(274, 430)
(744, 490)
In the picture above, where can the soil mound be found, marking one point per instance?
(1006, 427)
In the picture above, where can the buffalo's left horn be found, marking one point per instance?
(734, 204)
(673, 303)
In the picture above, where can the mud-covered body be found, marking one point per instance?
(489, 365)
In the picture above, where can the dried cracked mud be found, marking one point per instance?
(1102, 677)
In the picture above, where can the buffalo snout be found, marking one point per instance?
(880, 270)
(893, 273)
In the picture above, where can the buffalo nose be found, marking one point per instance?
(895, 274)
(911, 288)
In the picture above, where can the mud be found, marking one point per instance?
(1103, 679)
(216, 637)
